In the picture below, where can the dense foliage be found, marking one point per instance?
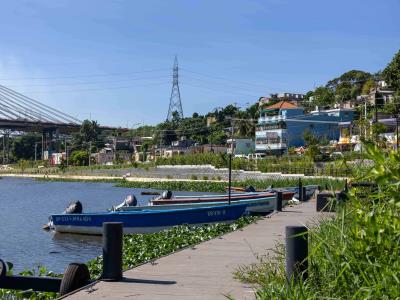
(210, 128)
(392, 72)
(353, 256)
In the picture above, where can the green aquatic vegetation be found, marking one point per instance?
(220, 187)
(29, 294)
(355, 255)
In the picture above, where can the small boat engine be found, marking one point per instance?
(166, 195)
(130, 200)
(74, 208)
(250, 189)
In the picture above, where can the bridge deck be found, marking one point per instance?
(205, 271)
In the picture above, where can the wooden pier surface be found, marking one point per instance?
(206, 270)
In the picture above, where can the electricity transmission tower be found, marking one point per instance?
(175, 103)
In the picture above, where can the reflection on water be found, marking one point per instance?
(25, 206)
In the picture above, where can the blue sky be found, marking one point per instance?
(111, 61)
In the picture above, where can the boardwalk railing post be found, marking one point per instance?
(112, 251)
(296, 252)
(300, 190)
(304, 193)
(279, 198)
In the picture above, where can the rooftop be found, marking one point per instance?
(282, 105)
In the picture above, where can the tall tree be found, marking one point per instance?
(323, 96)
(24, 146)
(392, 72)
(89, 132)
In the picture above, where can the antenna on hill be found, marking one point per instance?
(175, 103)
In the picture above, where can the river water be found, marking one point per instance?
(25, 206)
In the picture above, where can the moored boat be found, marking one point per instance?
(287, 195)
(147, 221)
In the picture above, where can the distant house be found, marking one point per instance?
(290, 97)
(241, 146)
(57, 158)
(283, 124)
(209, 148)
(380, 95)
(105, 156)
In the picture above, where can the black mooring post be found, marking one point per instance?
(279, 198)
(296, 252)
(230, 178)
(112, 251)
(304, 193)
(300, 190)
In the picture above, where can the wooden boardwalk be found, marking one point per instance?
(205, 271)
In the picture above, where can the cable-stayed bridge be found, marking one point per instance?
(21, 113)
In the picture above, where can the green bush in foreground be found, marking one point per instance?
(353, 256)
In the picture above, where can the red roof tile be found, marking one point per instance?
(282, 105)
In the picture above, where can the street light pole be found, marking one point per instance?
(397, 134)
(66, 151)
(90, 151)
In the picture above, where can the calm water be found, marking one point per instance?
(25, 205)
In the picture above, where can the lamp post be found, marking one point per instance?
(397, 133)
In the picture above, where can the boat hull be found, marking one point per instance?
(148, 221)
(221, 198)
(254, 205)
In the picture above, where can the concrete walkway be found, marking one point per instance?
(205, 271)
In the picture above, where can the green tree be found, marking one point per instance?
(392, 72)
(88, 133)
(311, 142)
(79, 158)
(368, 85)
(24, 146)
(353, 77)
(323, 96)
(343, 91)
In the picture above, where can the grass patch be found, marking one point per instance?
(353, 256)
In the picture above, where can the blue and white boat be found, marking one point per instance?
(149, 219)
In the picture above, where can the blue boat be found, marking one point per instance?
(147, 221)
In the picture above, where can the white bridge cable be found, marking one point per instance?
(51, 112)
(42, 107)
(5, 111)
(27, 109)
(19, 109)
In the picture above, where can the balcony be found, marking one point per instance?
(266, 147)
(271, 119)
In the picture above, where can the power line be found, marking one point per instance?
(220, 90)
(101, 89)
(82, 76)
(222, 78)
(220, 84)
(86, 82)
